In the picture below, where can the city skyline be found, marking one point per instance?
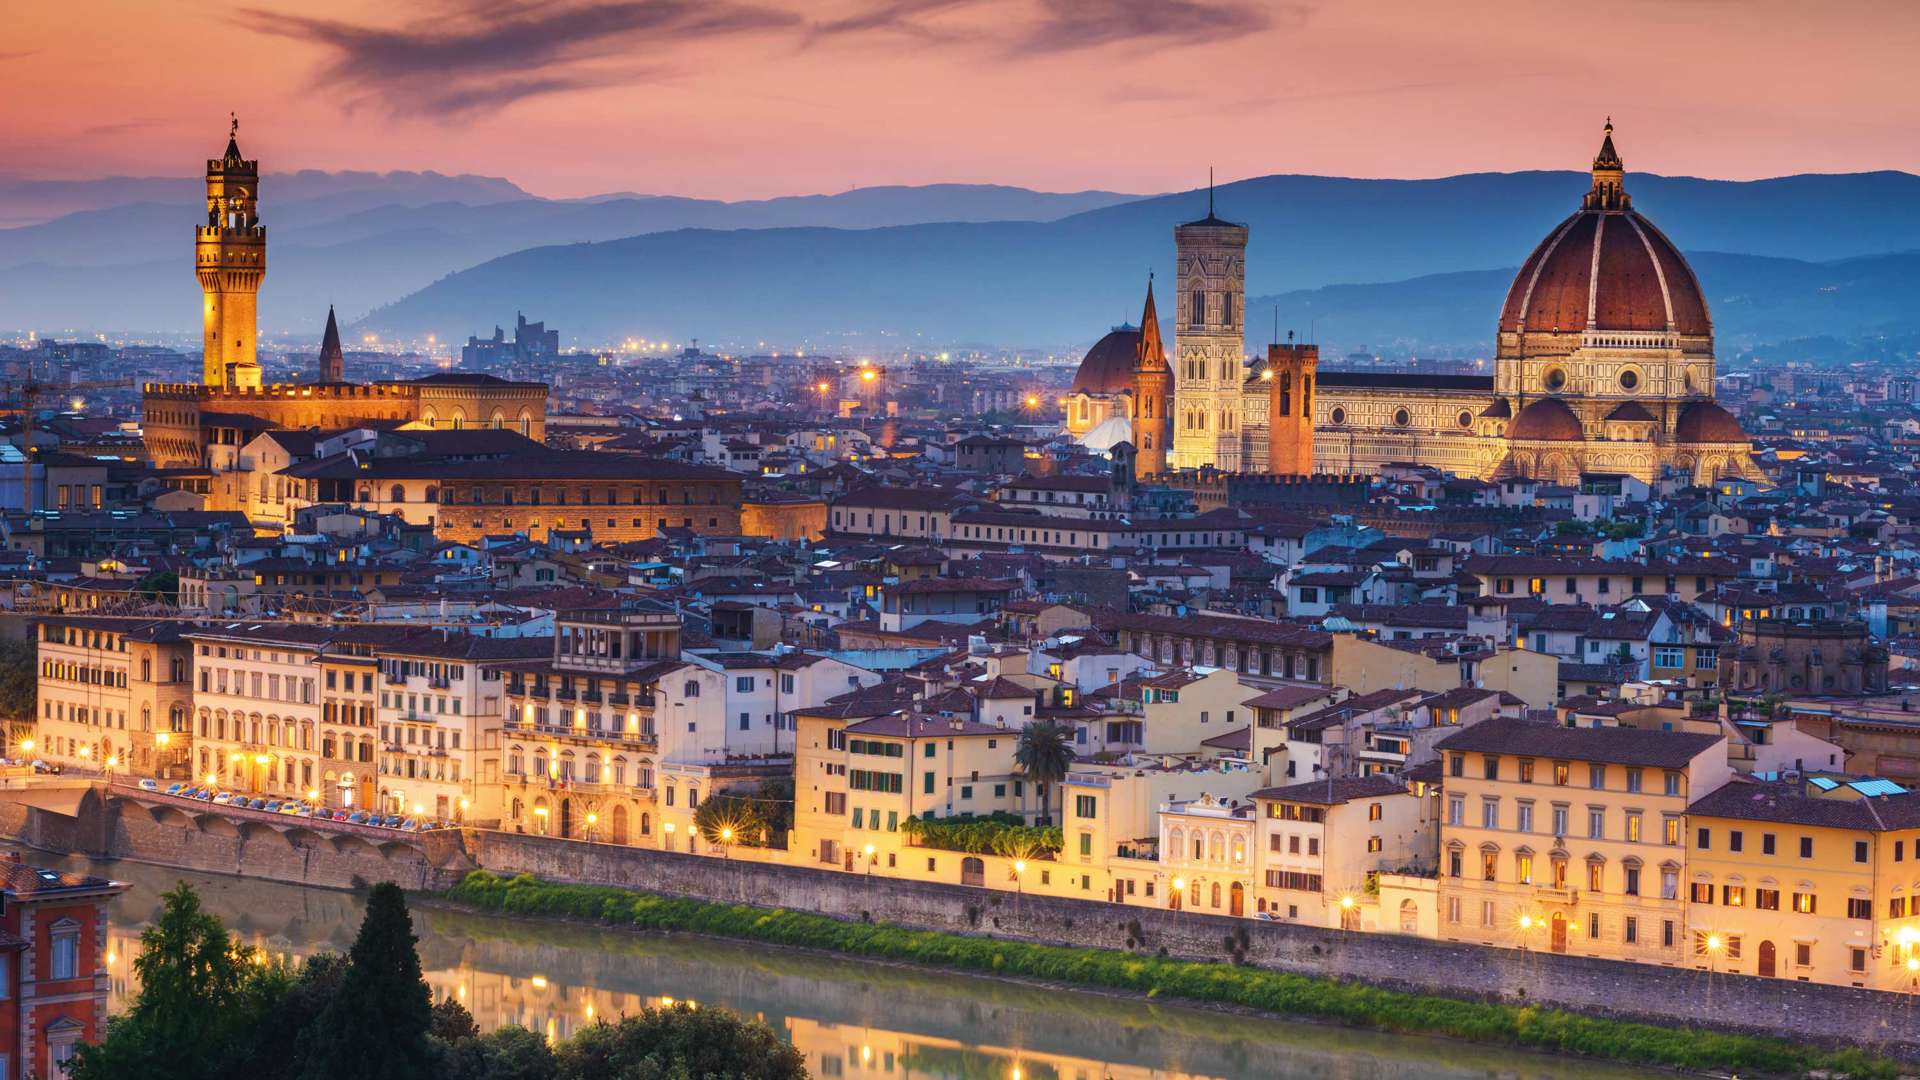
(755, 99)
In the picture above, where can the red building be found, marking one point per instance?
(53, 981)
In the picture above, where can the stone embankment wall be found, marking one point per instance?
(245, 843)
(125, 829)
(1811, 1012)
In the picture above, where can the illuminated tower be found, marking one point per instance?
(333, 361)
(1289, 376)
(230, 257)
(1152, 396)
(1209, 341)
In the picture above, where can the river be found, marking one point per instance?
(852, 1019)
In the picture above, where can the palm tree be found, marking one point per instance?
(1044, 754)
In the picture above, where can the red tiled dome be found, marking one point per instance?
(1643, 282)
(1108, 367)
(1703, 421)
(1548, 418)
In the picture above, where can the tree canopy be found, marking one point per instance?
(208, 1007)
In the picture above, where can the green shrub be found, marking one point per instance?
(1354, 1004)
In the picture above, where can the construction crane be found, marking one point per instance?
(27, 392)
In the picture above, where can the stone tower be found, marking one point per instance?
(333, 361)
(230, 257)
(1209, 341)
(1152, 396)
(1289, 374)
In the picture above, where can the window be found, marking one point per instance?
(1596, 824)
(1489, 865)
(1766, 843)
(1630, 930)
(1803, 903)
(1859, 907)
(1859, 851)
(1856, 959)
(1703, 892)
(1561, 772)
(1766, 899)
(1526, 770)
(1806, 847)
(1633, 827)
(1632, 882)
(1673, 783)
(1736, 840)
(1803, 954)
(1703, 839)
(1085, 805)
(1523, 822)
(1593, 925)
(1597, 777)
(1596, 877)
(1523, 868)
(1733, 895)
(65, 960)
(1489, 813)
(1490, 766)
(1456, 811)
(1559, 821)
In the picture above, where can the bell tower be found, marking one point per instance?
(1289, 376)
(230, 258)
(1152, 396)
(1209, 341)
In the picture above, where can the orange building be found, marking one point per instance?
(52, 934)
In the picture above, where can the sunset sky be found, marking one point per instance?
(750, 98)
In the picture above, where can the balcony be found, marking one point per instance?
(441, 683)
(640, 739)
(1556, 894)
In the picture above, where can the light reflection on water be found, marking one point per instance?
(852, 1019)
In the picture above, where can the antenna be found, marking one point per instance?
(1209, 191)
(1275, 338)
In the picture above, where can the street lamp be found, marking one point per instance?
(870, 851)
(465, 805)
(1179, 889)
(726, 839)
(1019, 875)
(592, 820)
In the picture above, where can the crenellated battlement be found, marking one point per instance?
(321, 392)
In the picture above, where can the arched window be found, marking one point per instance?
(516, 762)
(692, 689)
(399, 493)
(540, 768)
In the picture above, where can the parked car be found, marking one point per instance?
(410, 825)
(272, 806)
(149, 785)
(358, 818)
(174, 789)
(224, 798)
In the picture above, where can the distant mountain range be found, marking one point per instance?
(360, 239)
(1806, 255)
(1827, 257)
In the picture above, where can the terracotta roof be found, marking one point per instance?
(1790, 804)
(1108, 367)
(1334, 792)
(912, 725)
(1606, 267)
(1547, 419)
(1703, 421)
(1611, 745)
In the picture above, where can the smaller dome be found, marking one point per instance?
(1632, 411)
(1108, 366)
(1499, 410)
(1549, 419)
(1703, 421)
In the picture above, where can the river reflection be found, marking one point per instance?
(851, 1019)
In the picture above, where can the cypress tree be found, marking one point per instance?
(376, 1027)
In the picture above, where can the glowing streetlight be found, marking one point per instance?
(163, 738)
(1266, 375)
(26, 745)
(868, 375)
(1033, 401)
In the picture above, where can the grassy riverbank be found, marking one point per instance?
(1279, 992)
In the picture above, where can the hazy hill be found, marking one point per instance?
(357, 240)
(27, 202)
(1062, 283)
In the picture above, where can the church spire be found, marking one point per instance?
(1609, 175)
(233, 140)
(333, 361)
(1152, 355)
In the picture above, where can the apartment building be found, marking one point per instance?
(115, 695)
(586, 728)
(440, 717)
(1807, 878)
(349, 726)
(1571, 839)
(257, 706)
(1318, 844)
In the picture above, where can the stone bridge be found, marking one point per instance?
(120, 820)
